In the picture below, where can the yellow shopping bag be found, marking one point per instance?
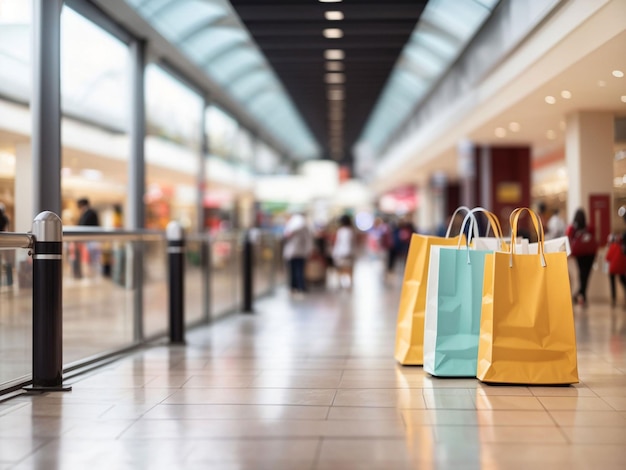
(409, 348)
(527, 333)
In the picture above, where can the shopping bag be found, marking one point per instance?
(453, 305)
(527, 331)
(409, 347)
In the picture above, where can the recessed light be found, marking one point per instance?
(617, 73)
(550, 99)
(333, 33)
(335, 95)
(330, 1)
(500, 132)
(601, 83)
(333, 15)
(551, 134)
(334, 78)
(623, 98)
(334, 66)
(566, 94)
(334, 54)
(514, 126)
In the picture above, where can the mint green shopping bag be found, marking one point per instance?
(453, 306)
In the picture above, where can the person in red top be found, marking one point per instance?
(617, 265)
(584, 247)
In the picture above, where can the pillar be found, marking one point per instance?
(589, 156)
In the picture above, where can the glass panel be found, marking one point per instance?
(15, 45)
(194, 282)
(16, 306)
(94, 69)
(172, 150)
(98, 298)
(225, 274)
(95, 76)
(221, 130)
(187, 16)
(155, 290)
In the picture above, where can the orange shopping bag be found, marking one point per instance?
(527, 333)
(409, 349)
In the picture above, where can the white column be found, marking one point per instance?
(24, 200)
(589, 155)
(425, 212)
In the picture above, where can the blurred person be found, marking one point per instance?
(88, 217)
(298, 244)
(556, 225)
(401, 239)
(584, 248)
(344, 251)
(6, 255)
(617, 265)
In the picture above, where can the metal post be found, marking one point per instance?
(176, 262)
(247, 272)
(48, 304)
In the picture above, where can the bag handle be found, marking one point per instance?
(494, 225)
(458, 209)
(514, 220)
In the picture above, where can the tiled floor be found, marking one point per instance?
(311, 384)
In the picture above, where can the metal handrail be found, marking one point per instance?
(13, 240)
(80, 234)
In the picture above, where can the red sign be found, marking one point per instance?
(600, 216)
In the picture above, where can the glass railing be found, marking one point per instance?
(115, 291)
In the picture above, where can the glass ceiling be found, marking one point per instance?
(443, 31)
(210, 34)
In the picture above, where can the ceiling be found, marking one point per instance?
(290, 35)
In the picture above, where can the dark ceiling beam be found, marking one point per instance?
(381, 10)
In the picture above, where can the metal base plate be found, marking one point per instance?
(56, 388)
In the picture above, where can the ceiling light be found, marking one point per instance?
(566, 94)
(551, 134)
(514, 126)
(334, 78)
(330, 1)
(333, 33)
(550, 99)
(500, 132)
(334, 66)
(334, 54)
(617, 73)
(333, 15)
(335, 95)
(623, 98)
(601, 83)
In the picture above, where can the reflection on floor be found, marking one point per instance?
(310, 383)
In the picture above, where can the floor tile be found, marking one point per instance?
(575, 403)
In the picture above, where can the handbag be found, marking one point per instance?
(409, 346)
(584, 243)
(453, 304)
(527, 333)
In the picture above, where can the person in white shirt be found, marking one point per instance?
(344, 251)
(556, 226)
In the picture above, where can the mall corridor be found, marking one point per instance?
(311, 383)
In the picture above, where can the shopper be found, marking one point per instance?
(344, 251)
(556, 225)
(298, 244)
(584, 248)
(87, 217)
(617, 265)
(6, 255)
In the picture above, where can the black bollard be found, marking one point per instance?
(176, 263)
(48, 304)
(247, 272)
